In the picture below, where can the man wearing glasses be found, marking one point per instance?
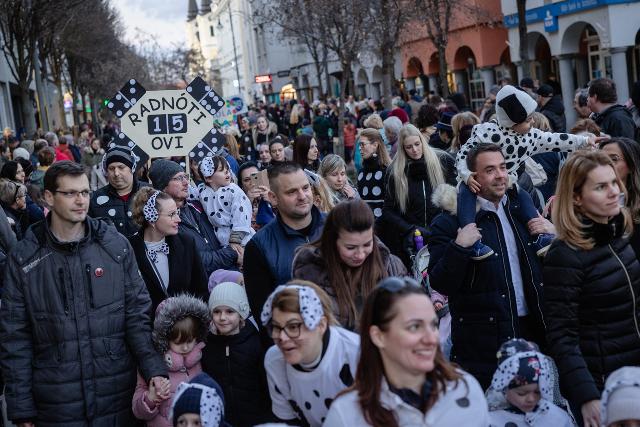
(74, 323)
(114, 199)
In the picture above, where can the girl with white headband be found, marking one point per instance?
(313, 359)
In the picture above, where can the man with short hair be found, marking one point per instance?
(113, 201)
(74, 319)
(551, 106)
(170, 177)
(496, 299)
(269, 254)
(614, 119)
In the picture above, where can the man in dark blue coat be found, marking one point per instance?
(498, 298)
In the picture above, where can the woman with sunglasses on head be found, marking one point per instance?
(168, 261)
(402, 377)
(313, 359)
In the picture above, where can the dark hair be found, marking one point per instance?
(350, 216)
(244, 167)
(479, 149)
(379, 310)
(427, 116)
(9, 170)
(185, 330)
(604, 89)
(27, 167)
(46, 156)
(635, 94)
(283, 168)
(301, 147)
(61, 169)
(583, 94)
(279, 139)
(39, 145)
(217, 162)
(631, 153)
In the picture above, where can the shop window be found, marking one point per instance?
(476, 86)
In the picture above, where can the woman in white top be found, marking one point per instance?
(403, 378)
(312, 360)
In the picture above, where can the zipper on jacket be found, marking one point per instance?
(87, 269)
(65, 302)
(424, 196)
(633, 294)
(513, 326)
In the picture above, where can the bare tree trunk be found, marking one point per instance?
(325, 60)
(522, 36)
(442, 62)
(84, 107)
(26, 105)
(63, 116)
(318, 66)
(387, 77)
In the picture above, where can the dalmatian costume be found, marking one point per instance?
(513, 106)
(228, 209)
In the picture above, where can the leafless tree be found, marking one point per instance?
(522, 36)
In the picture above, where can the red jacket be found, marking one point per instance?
(349, 133)
(63, 153)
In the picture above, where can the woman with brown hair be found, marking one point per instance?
(313, 359)
(305, 152)
(591, 282)
(461, 126)
(348, 260)
(403, 378)
(375, 160)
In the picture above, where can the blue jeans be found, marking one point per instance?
(466, 209)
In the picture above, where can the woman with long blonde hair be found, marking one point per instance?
(415, 171)
(591, 282)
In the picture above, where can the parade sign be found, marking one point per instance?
(168, 122)
(228, 115)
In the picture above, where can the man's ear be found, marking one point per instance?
(273, 199)
(48, 197)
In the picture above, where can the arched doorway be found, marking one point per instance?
(581, 38)
(376, 82)
(415, 75)
(362, 83)
(468, 79)
(541, 63)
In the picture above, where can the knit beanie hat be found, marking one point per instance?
(220, 276)
(621, 396)
(513, 106)
(119, 154)
(201, 396)
(21, 153)
(232, 295)
(162, 171)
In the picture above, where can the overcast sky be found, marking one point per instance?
(163, 19)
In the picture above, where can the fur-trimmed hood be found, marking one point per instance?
(445, 197)
(173, 310)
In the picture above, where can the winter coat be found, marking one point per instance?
(186, 274)
(554, 111)
(481, 295)
(463, 404)
(107, 204)
(20, 220)
(269, 254)
(260, 138)
(616, 121)
(91, 158)
(371, 185)
(236, 363)
(309, 264)
(592, 310)
(63, 153)
(419, 211)
(181, 368)
(214, 257)
(73, 328)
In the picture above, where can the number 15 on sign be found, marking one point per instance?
(166, 124)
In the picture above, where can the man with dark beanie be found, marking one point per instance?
(169, 177)
(113, 201)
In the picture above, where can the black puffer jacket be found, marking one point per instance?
(616, 121)
(554, 111)
(106, 204)
(73, 329)
(236, 362)
(592, 310)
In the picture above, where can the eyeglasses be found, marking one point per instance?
(74, 194)
(363, 144)
(173, 214)
(292, 330)
(180, 178)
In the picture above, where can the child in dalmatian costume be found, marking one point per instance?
(513, 132)
(524, 391)
(226, 205)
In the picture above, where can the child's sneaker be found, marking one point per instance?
(481, 251)
(542, 243)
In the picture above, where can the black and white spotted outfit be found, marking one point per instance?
(516, 147)
(229, 211)
(371, 184)
(307, 395)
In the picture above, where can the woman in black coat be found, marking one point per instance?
(416, 170)
(168, 261)
(591, 283)
(375, 161)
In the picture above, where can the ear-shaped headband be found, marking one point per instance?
(310, 305)
(150, 212)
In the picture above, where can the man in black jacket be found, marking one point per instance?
(113, 201)
(73, 322)
(551, 106)
(498, 298)
(614, 119)
(168, 176)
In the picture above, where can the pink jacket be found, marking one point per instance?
(181, 368)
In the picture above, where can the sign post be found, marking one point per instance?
(169, 123)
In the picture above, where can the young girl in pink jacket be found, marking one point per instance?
(179, 330)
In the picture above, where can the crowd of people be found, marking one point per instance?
(443, 267)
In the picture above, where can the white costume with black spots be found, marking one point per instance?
(371, 185)
(551, 415)
(463, 404)
(298, 394)
(516, 147)
(229, 210)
